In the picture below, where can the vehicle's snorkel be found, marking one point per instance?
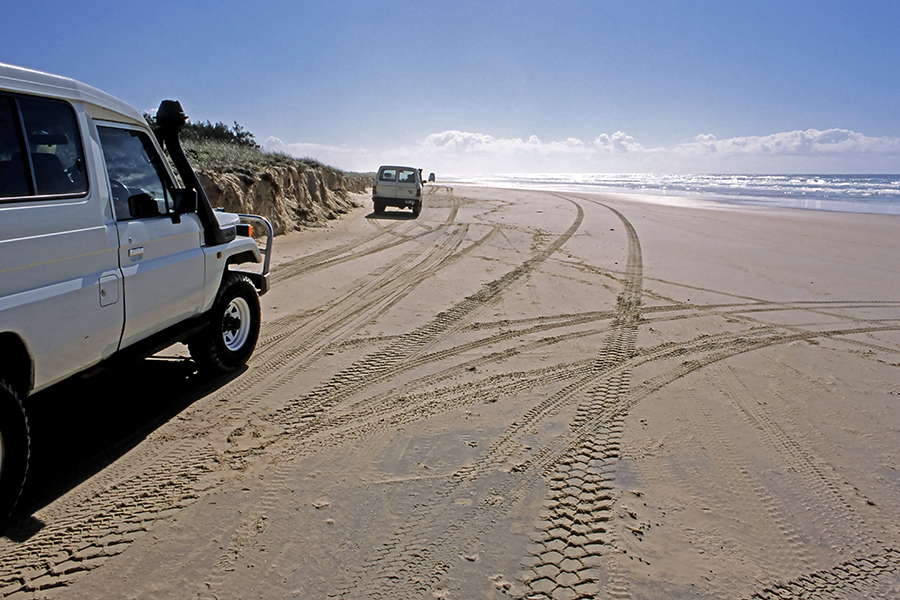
(170, 118)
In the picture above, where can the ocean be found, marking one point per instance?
(879, 194)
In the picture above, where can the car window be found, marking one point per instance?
(388, 175)
(406, 176)
(134, 168)
(13, 168)
(41, 153)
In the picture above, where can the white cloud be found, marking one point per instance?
(454, 140)
(619, 143)
(812, 150)
(810, 142)
(354, 159)
(461, 152)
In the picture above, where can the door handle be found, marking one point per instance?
(136, 252)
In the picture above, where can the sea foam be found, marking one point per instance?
(845, 193)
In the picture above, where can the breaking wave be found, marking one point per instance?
(845, 193)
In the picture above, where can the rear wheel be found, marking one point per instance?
(417, 208)
(14, 448)
(379, 207)
(230, 338)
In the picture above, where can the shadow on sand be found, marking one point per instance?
(398, 215)
(82, 425)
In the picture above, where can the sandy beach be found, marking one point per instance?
(519, 394)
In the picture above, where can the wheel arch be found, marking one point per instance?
(246, 256)
(16, 363)
(260, 280)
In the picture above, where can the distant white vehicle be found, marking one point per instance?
(105, 252)
(400, 187)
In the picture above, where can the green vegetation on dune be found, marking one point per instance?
(218, 155)
(218, 147)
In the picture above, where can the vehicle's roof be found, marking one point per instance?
(27, 81)
(396, 167)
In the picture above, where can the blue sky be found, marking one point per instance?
(503, 86)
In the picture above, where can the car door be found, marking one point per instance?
(60, 286)
(407, 184)
(387, 182)
(160, 256)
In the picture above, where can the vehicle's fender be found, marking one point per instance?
(217, 260)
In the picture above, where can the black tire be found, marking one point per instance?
(417, 209)
(230, 338)
(379, 208)
(15, 449)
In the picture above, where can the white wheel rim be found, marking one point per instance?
(236, 324)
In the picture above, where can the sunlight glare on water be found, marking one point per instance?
(845, 193)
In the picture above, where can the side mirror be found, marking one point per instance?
(143, 205)
(185, 201)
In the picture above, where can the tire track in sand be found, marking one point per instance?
(351, 250)
(301, 415)
(424, 555)
(384, 363)
(572, 541)
(89, 525)
(574, 468)
(872, 576)
(569, 545)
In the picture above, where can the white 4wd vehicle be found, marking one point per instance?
(104, 252)
(398, 186)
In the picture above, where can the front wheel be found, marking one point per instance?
(230, 338)
(14, 448)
